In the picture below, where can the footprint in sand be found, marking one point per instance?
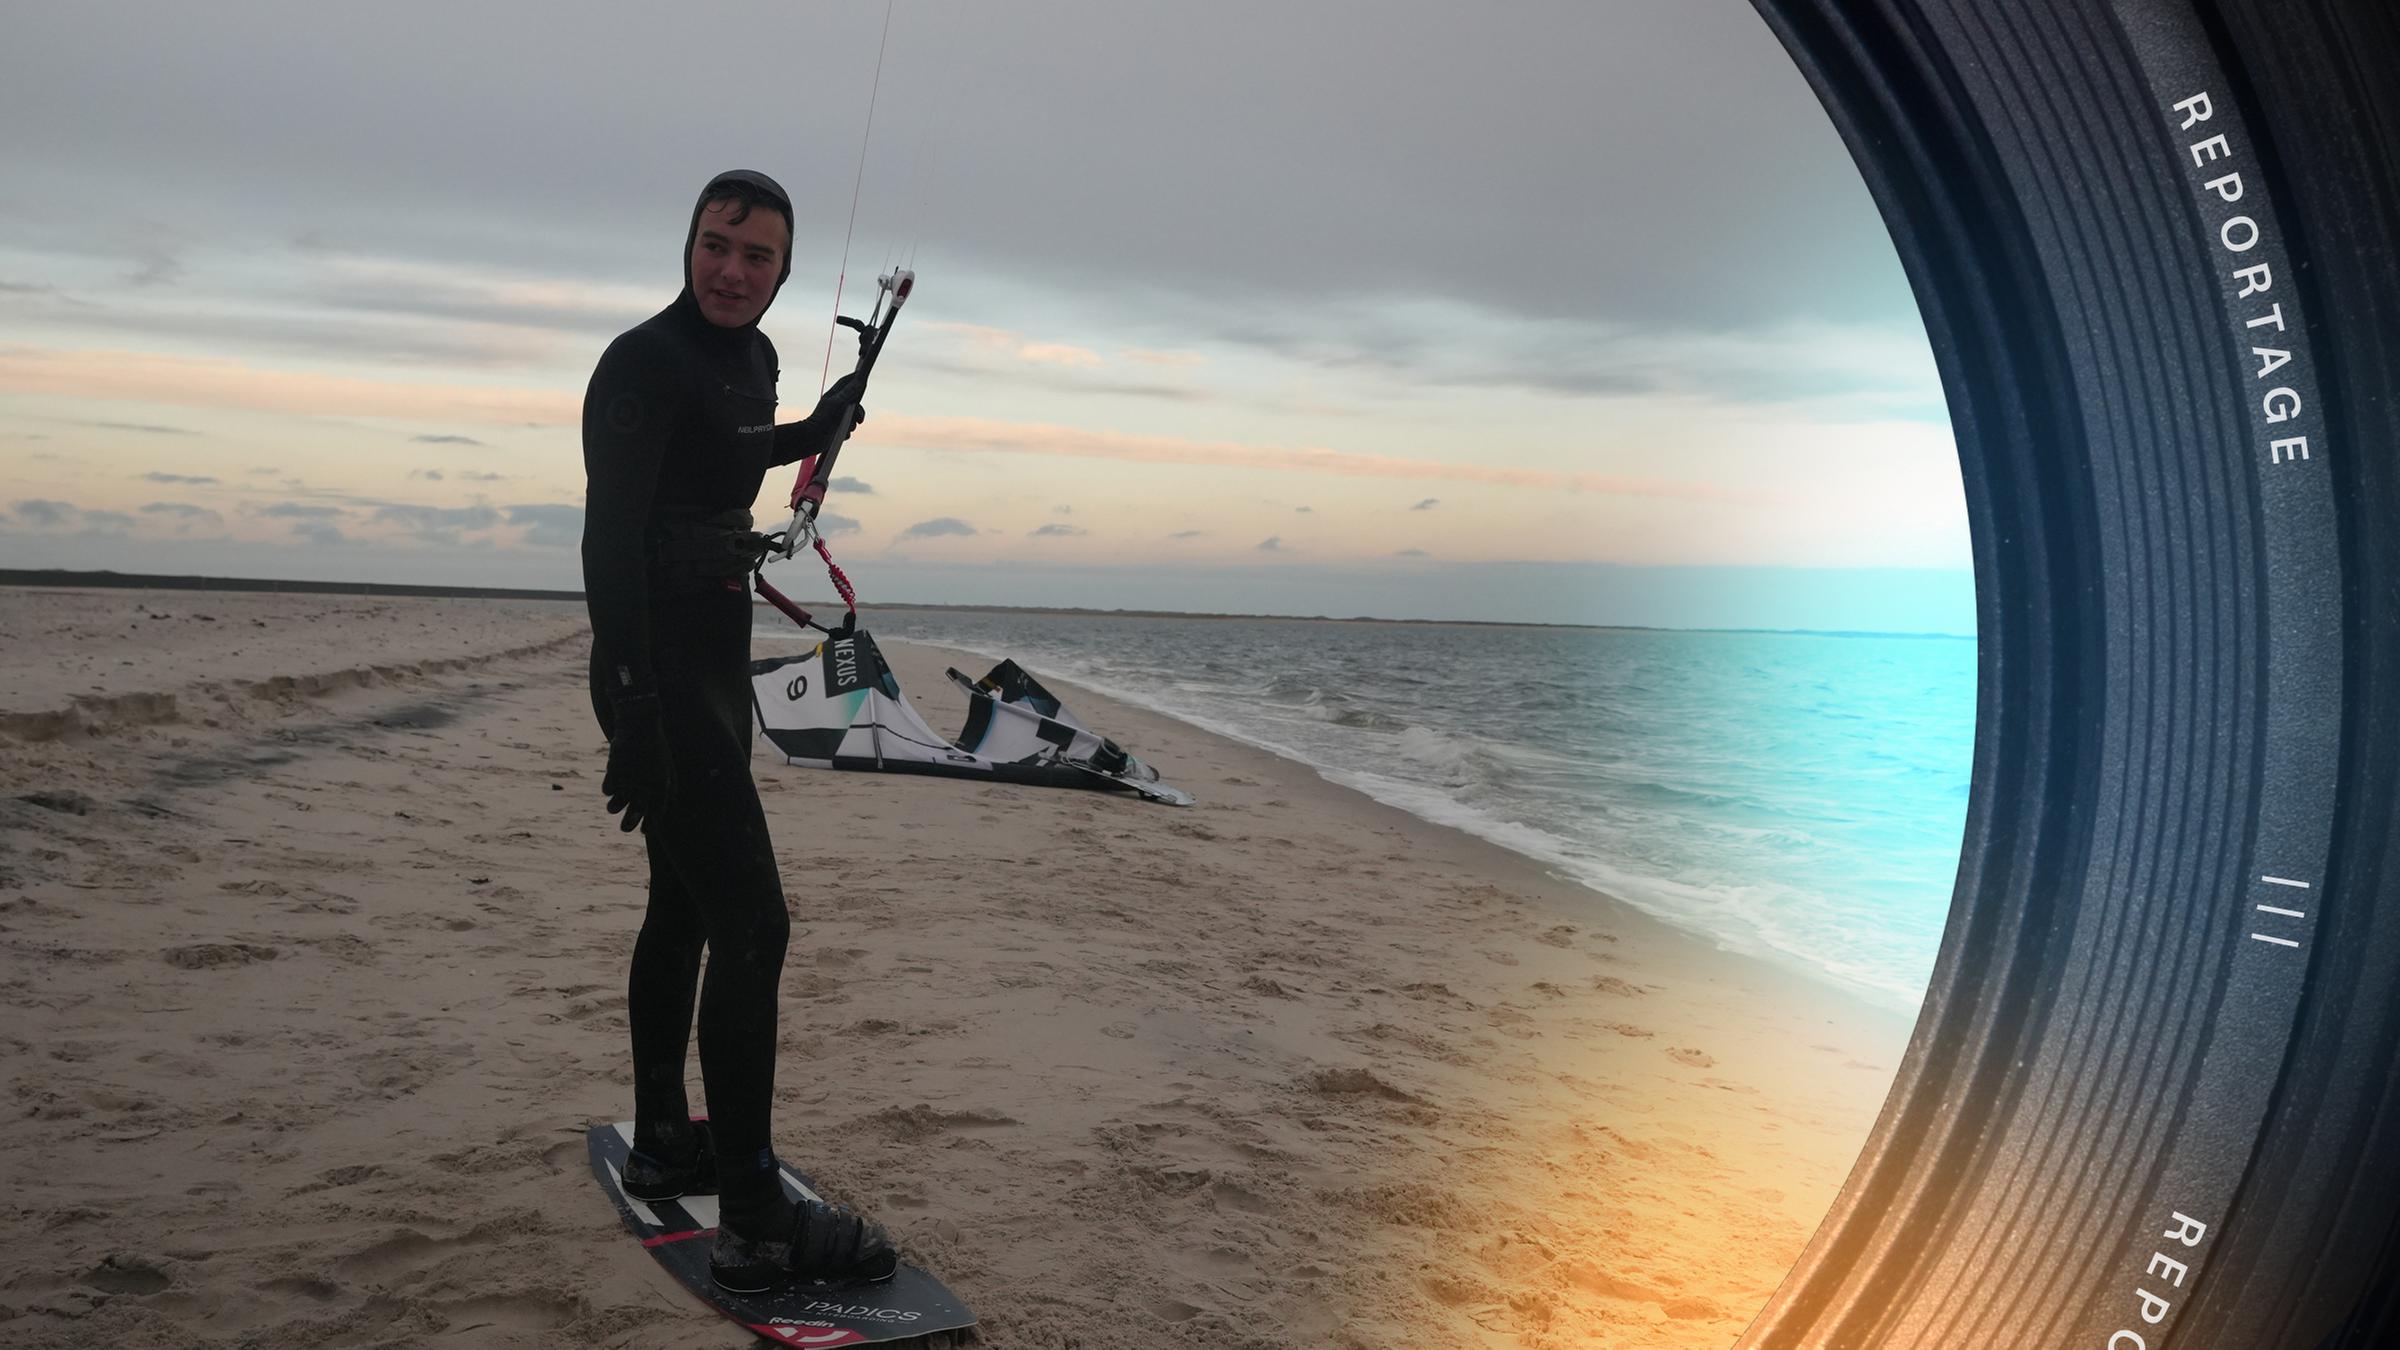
(403, 1251)
(823, 988)
(344, 947)
(1698, 1059)
(1172, 1310)
(128, 1275)
(583, 1010)
(1356, 1083)
(1170, 1179)
(204, 955)
(526, 1311)
(910, 1124)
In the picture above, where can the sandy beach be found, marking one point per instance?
(313, 936)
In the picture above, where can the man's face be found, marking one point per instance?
(734, 266)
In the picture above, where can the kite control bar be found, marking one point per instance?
(816, 470)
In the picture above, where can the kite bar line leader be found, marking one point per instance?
(816, 470)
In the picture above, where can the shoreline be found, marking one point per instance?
(1287, 1068)
(1571, 891)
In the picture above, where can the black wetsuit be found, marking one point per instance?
(679, 423)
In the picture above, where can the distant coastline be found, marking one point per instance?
(56, 577)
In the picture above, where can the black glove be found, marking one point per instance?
(844, 391)
(641, 774)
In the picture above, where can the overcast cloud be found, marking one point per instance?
(1505, 248)
(1537, 159)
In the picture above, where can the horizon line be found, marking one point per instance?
(107, 579)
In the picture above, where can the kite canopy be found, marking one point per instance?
(840, 707)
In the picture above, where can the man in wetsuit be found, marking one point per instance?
(678, 434)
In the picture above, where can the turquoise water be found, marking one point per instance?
(1798, 797)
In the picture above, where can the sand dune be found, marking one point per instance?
(313, 932)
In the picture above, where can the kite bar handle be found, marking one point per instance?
(784, 602)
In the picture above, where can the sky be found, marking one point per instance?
(1556, 312)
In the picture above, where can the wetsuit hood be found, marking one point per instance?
(778, 199)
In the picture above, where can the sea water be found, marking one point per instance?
(1798, 797)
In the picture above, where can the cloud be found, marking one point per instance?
(301, 511)
(1055, 531)
(1818, 369)
(266, 469)
(213, 382)
(1149, 357)
(155, 476)
(1426, 505)
(144, 428)
(1062, 510)
(1273, 543)
(445, 440)
(476, 295)
(1187, 534)
(1412, 553)
(935, 528)
(43, 513)
(320, 533)
(550, 524)
(431, 475)
(185, 511)
(474, 477)
(1057, 354)
(851, 485)
(831, 523)
(1081, 384)
(156, 267)
(1305, 510)
(1034, 438)
(1017, 346)
(438, 524)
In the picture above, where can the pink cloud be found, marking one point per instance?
(1009, 343)
(208, 382)
(978, 435)
(216, 383)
